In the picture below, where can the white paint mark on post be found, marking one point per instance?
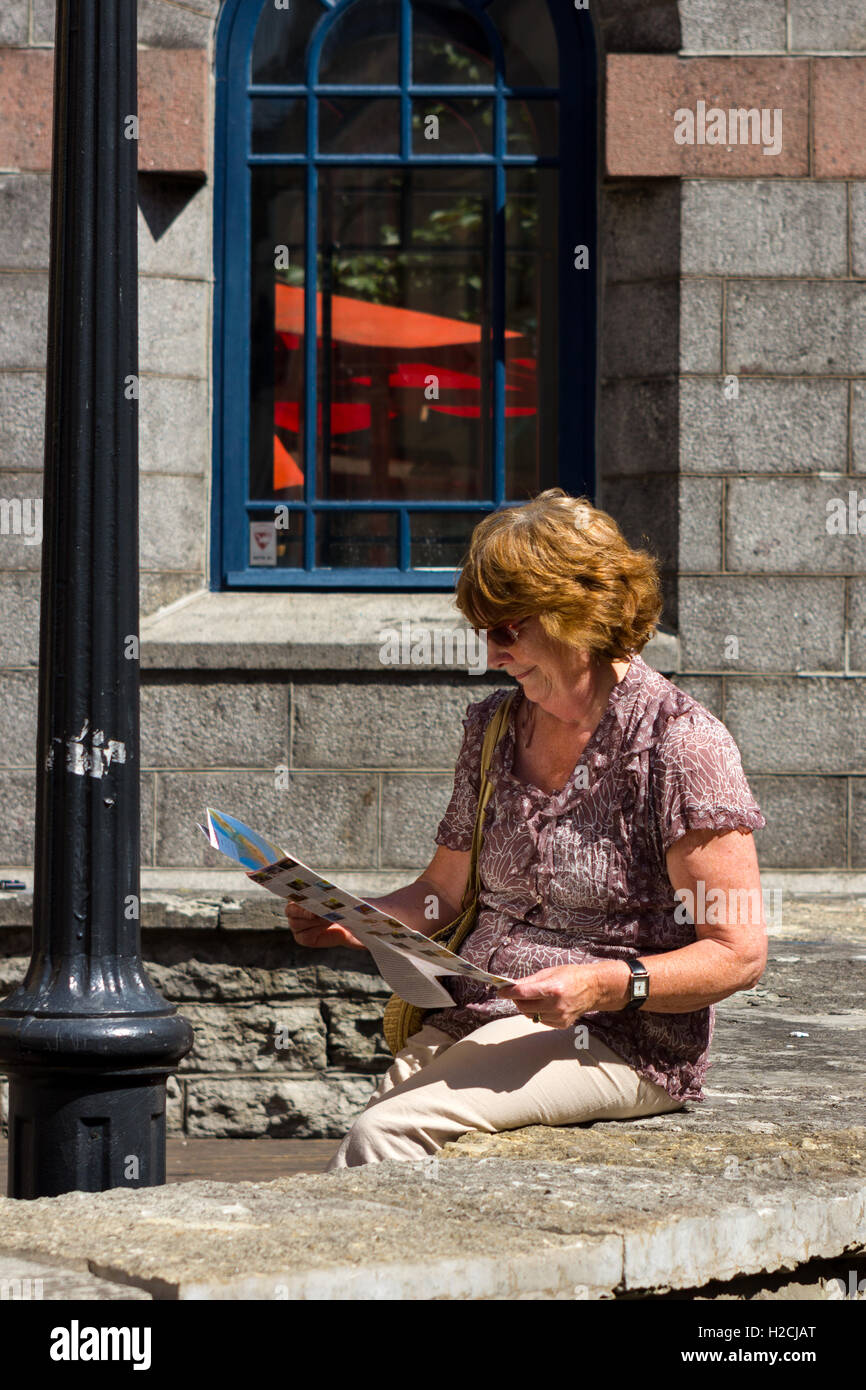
(94, 760)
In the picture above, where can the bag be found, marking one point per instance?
(400, 1020)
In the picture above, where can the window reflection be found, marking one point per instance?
(363, 45)
(410, 263)
(404, 346)
(449, 44)
(528, 43)
(282, 36)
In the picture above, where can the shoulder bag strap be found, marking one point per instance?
(493, 733)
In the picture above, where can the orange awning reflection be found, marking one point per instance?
(364, 324)
(383, 327)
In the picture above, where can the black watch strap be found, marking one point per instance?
(638, 984)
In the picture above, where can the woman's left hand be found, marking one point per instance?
(559, 995)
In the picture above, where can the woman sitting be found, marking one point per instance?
(619, 803)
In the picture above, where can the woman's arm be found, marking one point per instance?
(434, 899)
(428, 903)
(730, 953)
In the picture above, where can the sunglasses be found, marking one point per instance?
(505, 635)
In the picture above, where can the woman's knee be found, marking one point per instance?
(382, 1132)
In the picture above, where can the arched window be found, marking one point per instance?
(405, 281)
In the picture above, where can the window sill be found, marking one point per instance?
(307, 631)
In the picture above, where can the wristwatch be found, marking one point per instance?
(638, 985)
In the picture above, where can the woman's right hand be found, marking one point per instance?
(310, 930)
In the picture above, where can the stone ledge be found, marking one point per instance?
(313, 632)
(755, 1148)
(559, 1229)
(22, 1279)
(813, 906)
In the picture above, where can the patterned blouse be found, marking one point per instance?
(580, 875)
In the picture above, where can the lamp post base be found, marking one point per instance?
(85, 1133)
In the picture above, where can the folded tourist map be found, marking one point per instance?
(407, 960)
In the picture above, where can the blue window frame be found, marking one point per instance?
(405, 281)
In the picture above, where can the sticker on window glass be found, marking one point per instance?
(263, 543)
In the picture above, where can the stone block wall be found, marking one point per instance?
(353, 774)
(768, 608)
(733, 418)
(707, 273)
(732, 410)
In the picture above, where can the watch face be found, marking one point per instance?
(640, 989)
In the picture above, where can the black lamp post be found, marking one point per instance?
(86, 1039)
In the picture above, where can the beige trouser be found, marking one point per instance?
(508, 1073)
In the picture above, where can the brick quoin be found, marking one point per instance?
(645, 90)
(172, 109)
(643, 93)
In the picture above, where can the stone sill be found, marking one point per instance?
(820, 905)
(207, 907)
(313, 632)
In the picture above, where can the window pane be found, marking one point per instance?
(440, 540)
(449, 45)
(278, 125)
(280, 45)
(363, 45)
(276, 333)
(529, 43)
(403, 364)
(357, 540)
(532, 127)
(461, 125)
(532, 316)
(277, 542)
(356, 125)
